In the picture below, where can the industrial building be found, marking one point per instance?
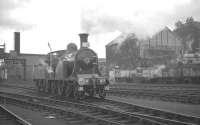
(128, 52)
(16, 65)
(162, 48)
(128, 57)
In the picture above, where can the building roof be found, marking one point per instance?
(122, 37)
(167, 29)
(160, 31)
(157, 34)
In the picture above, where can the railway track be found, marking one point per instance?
(150, 113)
(160, 95)
(160, 116)
(190, 97)
(83, 113)
(132, 115)
(171, 93)
(9, 118)
(149, 85)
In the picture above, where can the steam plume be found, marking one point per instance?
(139, 21)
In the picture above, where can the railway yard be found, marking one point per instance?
(132, 70)
(158, 84)
(158, 104)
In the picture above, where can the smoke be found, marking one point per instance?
(6, 9)
(44, 64)
(144, 18)
(94, 23)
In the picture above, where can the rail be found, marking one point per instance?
(18, 119)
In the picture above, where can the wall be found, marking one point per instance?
(161, 48)
(31, 60)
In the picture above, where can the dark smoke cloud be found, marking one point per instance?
(6, 20)
(143, 24)
(96, 23)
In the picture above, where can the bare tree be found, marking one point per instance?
(189, 20)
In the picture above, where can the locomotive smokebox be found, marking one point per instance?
(84, 39)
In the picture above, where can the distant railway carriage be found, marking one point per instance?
(72, 73)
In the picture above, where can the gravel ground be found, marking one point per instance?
(182, 93)
(35, 118)
(186, 109)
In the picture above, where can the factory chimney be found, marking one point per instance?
(17, 42)
(84, 40)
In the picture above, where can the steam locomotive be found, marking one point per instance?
(72, 73)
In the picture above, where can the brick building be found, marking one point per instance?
(128, 52)
(31, 61)
(161, 48)
(18, 66)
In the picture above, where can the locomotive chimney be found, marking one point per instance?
(17, 42)
(83, 39)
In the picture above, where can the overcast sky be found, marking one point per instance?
(60, 21)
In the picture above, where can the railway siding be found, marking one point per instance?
(9, 118)
(121, 115)
(183, 93)
(102, 116)
(147, 114)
